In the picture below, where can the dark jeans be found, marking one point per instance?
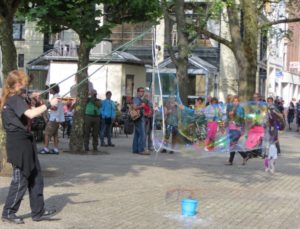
(234, 136)
(18, 187)
(91, 124)
(148, 132)
(171, 130)
(105, 130)
(139, 136)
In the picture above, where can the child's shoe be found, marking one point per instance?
(267, 170)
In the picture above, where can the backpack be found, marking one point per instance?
(91, 109)
(277, 120)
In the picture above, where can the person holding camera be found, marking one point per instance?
(108, 114)
(91, 120)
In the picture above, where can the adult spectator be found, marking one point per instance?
(208, 100)
(291, 114)
(298, 114)
(108, 114)
(235, 123)
(91, 121)
(273, 115)
(56, 116)
(138, 146)
(148, 113)
(171, 114)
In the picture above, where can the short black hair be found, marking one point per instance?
(108, 92)
(139, 88)
(200, 99)
(55, 88)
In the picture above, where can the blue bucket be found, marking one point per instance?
(189, 207)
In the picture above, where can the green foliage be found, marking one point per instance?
(85, 17)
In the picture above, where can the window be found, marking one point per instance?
(18, 30)
(21, 60)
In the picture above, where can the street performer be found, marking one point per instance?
(26, 167)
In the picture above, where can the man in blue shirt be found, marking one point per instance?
(108, 114)
(138, 145)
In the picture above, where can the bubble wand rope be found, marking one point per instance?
(155, 67)
(121, 48)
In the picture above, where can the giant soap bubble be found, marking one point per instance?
(206, 130)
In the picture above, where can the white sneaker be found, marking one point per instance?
(43, 151)
(272, 170)
(206, 149)
(267, 170)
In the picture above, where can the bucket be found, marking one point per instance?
(189, 207)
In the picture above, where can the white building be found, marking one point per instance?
(281, 82)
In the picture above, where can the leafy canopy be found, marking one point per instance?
(87, 18)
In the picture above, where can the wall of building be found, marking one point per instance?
(139, 73)
(110, 77)
(32, 44)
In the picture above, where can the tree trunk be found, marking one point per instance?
(9, 63)
(183, 52)
(248, 64)
(9, 53)
(77, 133)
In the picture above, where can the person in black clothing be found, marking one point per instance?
(26, 167)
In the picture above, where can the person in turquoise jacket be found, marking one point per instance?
(108, 114)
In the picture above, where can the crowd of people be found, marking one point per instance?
(18, 115)
(229, 119)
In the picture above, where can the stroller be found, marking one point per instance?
(254, 143)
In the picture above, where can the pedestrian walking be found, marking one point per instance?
(291, 114)
(236, 124)
(22, 151)
(213, 114)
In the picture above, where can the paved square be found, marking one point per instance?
(123, 190)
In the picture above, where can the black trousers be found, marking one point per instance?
(17, 190)
(232, 154)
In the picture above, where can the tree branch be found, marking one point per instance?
(168, 25)
(269, 24)
(215, 37)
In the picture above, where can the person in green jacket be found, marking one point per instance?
(91, 120)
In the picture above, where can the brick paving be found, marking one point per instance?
(122, 190)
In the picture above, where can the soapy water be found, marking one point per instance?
(208, 130)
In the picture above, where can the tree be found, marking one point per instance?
(246, 22)
(92, 24)
(174, 12)
(9, 61)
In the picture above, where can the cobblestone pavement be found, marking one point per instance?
(123, 190)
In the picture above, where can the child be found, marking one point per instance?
(269, 161)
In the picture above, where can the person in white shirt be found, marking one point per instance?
(56, 116)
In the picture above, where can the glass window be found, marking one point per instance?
(18, 30)
(21, 60)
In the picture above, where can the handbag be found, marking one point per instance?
(134, 114)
